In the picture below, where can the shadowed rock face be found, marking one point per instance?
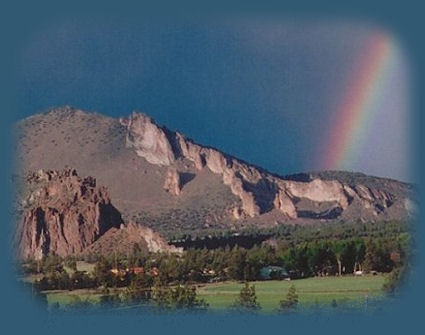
(172, 182)
(167, 181)
(65, 214)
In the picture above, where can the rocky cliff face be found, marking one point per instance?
(259, 191)
(172, 182)
(65, 214)
(161, 178)
(148, 140)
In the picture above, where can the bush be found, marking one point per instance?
(394, 281)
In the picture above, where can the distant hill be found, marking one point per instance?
(166, 181)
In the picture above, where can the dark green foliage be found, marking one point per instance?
(289, 304)
(368, 247)
(80, 280)
(70, 263)
(103, 274)
(51, 264)
(316, 258)
(179, 297)
(394, 281)
(377, 255)
(110, 300)
(247, 299)
(139, 291)
(288, 234)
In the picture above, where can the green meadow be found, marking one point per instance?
(321, 291)
(317, 291)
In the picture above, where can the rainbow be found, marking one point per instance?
(360, 105)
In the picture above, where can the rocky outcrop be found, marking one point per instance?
(136, 159)
(172, 182)
(125, 239)
(63, 214)
(258, 190)
(248, 204)
(153, 240)
(318, 191)
(148, 140)
(284, 204)
(191, 151)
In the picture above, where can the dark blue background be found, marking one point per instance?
(18, 315)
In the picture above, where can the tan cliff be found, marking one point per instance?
(147, 139)
(248, 183)
(172, 182)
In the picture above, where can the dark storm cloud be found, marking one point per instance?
(263, 91)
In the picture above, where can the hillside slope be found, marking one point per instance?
(168, 182)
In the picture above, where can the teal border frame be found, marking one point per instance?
(18, 19)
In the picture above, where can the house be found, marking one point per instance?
(136, 270)
(273, 272)
(208, 272)
(118, 272)
(122, 272)
(115, 271)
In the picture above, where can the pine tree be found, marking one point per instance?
(180, 297)
(290, 303)
(247, 299)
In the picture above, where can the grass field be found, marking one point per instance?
(311, 291)
(64, 298)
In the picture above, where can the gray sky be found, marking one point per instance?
(264, 91)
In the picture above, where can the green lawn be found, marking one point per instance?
(311, 291)
(64, 298)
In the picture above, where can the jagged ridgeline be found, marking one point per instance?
(161, 179)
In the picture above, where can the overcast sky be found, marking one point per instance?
(263, 91)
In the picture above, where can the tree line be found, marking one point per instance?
(290, 233)
(316, 258)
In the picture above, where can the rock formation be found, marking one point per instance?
(124, 239)
(204, 187)
(283, 203)
(148, 139)
(172, 182)
(65, 214)
(250, 184)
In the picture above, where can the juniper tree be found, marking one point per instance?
(180, 297)
(247, 299)
(291, 300)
